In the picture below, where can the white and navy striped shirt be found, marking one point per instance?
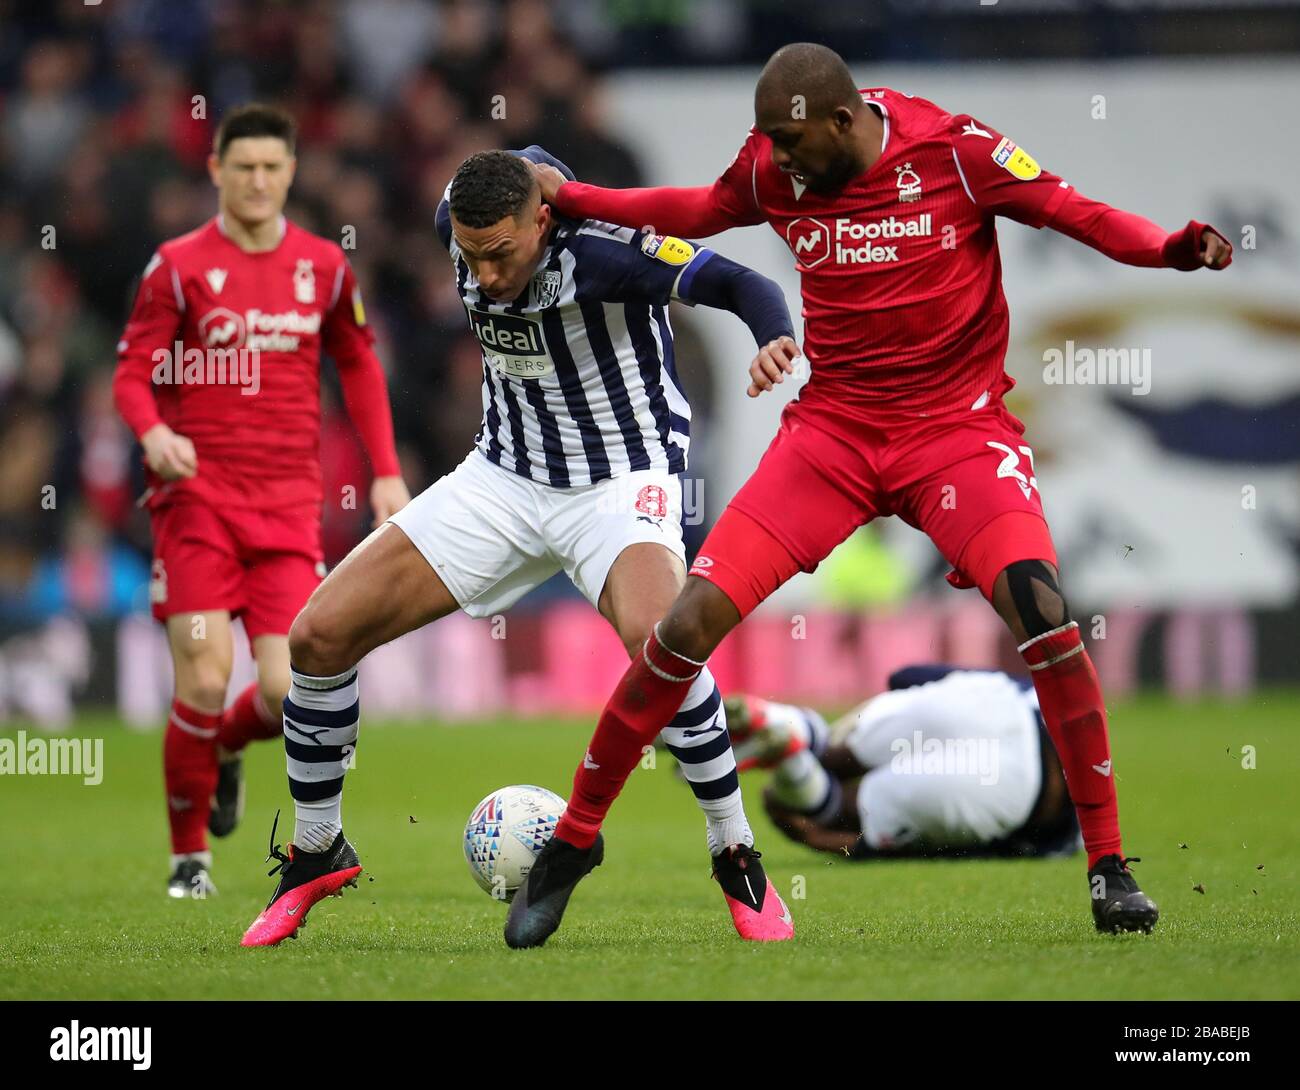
(579, 380)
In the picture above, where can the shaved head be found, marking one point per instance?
(806, 103)
(807, 79)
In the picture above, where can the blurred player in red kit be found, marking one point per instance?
(888, 204)
(218, 376)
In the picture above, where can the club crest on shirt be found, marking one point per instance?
(546, 288)
(304, 282)
(1016, 161)
(909, 183)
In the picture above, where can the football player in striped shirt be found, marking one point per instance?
(585, 431)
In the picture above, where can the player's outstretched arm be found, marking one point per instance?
(1004, 180)
(692, 212)
(1134, 240)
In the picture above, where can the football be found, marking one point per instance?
(504, 834)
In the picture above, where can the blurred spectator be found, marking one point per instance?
(44, 120)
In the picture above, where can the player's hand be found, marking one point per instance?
(1216, 251)
(169, 455)
(388, 495)
(548, 178)
(774, 361)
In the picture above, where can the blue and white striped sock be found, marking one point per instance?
(802, 784)
(321, 715)
(803, 723)
(698, 738)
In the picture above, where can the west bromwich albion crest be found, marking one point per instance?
(546, 288)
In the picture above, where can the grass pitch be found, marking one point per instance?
(85, 915)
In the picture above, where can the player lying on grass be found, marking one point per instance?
(888, 204)
(585, 430)
(946, 763)
(232, 456)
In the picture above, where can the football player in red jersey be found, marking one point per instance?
(888, 204)
(218, 376)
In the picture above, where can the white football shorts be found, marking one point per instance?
(955, 761)
(492, 535)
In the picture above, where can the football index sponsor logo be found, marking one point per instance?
(851, 243)
(257, 330)
(116, 1044)
(222, 360)
(229, 352)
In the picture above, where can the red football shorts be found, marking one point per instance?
(966, 480)
(258, 565)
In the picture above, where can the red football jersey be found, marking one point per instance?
(253, 414)
(902, 283)
(901, 279)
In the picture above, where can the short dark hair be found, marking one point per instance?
(255, 119)
(489, 186)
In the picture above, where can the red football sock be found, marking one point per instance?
(248, 720)
(645, 702)
(190, 775)
(1075, 714)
